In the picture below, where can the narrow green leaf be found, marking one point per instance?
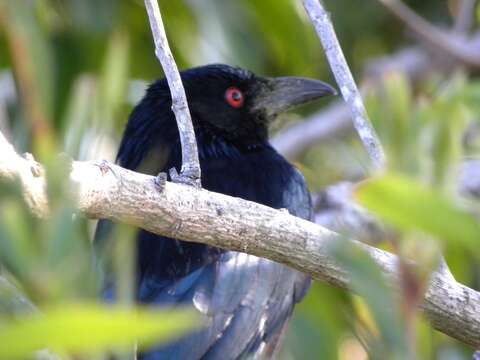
(368, 282)
(412, 206)
(91, 328)
(114, 79)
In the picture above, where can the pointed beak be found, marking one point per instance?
(277, 95)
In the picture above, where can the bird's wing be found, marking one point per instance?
(246, 300)
(139, 152)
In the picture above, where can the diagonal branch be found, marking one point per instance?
(104, 190)
(190, 172)
(333, 120)
(321, 21)
(415, 62)
(465, 16)
(457, 47)
(295, 140)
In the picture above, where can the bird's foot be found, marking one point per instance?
(177, 178)
(185, 178)
(160, 180)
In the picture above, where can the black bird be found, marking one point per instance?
(247, 300)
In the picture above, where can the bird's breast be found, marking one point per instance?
(258, 176)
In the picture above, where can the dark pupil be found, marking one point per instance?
(236, 95)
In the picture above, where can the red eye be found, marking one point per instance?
(234, 97)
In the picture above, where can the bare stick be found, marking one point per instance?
(105, 190)
(334, 120)
(415, 62)
(324, 125)
(465, 16)
(190, 172)
(8, 94)
(460, 49)
(321, 21)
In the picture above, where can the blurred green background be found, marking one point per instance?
(71, 71)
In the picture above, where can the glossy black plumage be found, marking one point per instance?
(247, 299)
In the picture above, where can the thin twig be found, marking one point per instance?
(334, 120)
(449, 43)
(8, 95)
(321, 20)
(190, 172)
(465, 16)
(324, 125)
(415, 62)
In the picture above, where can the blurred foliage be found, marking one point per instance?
(89, 329)
(411, 206)
(80, 66)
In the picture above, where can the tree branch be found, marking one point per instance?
(465, 16)
(321, 21)
(415, 62)
(190, 172)
(459, 48)
(335, 209)
(31, 177)
(7, 96)
(323, 125)
(105, 190)
(334, 119)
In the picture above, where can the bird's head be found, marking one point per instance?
(239, 104)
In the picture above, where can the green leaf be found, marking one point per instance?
(114, 79)
(91, 328)
(412, 206)
(368, 281)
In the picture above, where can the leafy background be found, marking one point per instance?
(70, 73)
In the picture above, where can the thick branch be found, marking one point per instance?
(321, 21)
(30, 175)
(190, 164)
(105, 190)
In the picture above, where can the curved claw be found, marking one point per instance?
(183, 178)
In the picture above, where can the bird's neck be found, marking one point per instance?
(212, 145)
